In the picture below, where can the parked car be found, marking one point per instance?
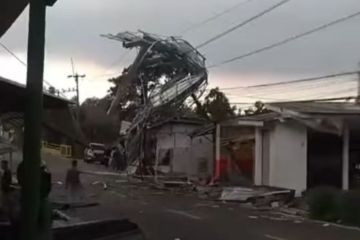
(94, 152)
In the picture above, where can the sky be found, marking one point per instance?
(74, 27)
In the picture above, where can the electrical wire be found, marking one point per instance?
(316, 86)
(21, 61)
(292, 81)
(325, 90)
(348, 90)
(12, 54)
(212, 18)
(346, 98)
(297, 98)
(121, 59)
(220, 35)
(287, 40)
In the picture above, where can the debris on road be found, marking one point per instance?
(293, 211)
(104, 185)
(241, 194)
(110, 229)
(257, 196)
(57, 214)
(67, 205)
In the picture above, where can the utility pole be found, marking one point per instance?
(358, 88)
(76, 78)
(30, 186)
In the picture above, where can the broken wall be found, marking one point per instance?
(187, 156)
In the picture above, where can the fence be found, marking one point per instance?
(57, 149)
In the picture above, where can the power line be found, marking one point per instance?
(19, 60)
(220, 35)
(287, 40)
(306, 100)
(348, 90)
(310, 89)
(292, 81)
(121, 60)
(12, 54)
(313, 95)
(212, 18)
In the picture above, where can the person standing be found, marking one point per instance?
(73, 184)
(6, 180)
(45, 209)
(114, 159)
(6, 177)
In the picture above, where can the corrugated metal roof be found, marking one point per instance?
(331, 108)
(12, 97)
(179, 120)
(56, 115)
(256, 117)
(60, 120)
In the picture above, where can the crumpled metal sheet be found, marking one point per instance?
(175, 67)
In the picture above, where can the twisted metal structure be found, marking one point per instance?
(168, 71)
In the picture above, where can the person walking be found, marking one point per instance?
(6, 180)
(73, 184)
(114, 160)
(6, 177)
(45, 209)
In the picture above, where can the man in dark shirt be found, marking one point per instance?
(45, 211)
(73, 183)
(6, 178)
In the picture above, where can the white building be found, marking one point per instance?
(178, 152)
(296, 145)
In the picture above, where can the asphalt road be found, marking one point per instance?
(170, 216)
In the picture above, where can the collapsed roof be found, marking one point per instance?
(168, 71)
(175, 67)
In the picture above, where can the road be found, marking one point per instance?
(171, 215)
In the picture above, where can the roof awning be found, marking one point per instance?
(12, 98)
(10, 10)
(321, 116)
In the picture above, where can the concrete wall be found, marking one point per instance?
(202, 155)
(265, 157)
(189, 155)
(288, 156)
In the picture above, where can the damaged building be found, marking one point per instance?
(166, 72)
(296, 145)
(178, 152)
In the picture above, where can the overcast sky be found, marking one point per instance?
(73, 29)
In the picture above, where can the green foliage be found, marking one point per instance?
(258, 108)
(217, 106)
(324, 203)
(331, 204)
(95, 123)
(350, 207)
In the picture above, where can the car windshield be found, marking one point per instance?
(97, 147)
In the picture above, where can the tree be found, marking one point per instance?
(258, 108)
(216, 105)
(95, 123)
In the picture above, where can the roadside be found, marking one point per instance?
(182, 215)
